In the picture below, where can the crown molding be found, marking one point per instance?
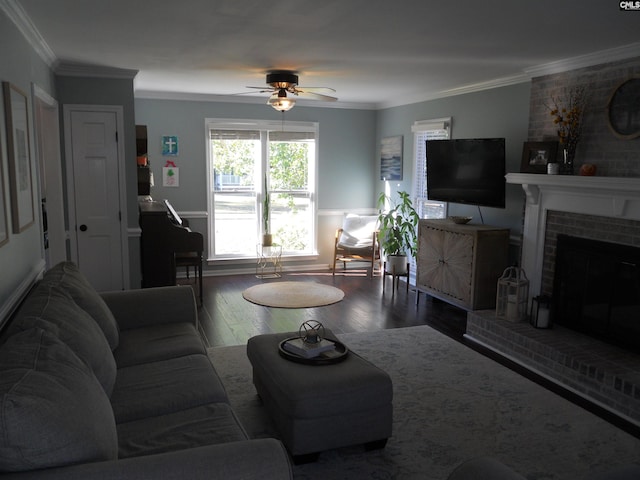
(14, 11)
(82, 70)
(596, 58)
(471, 88)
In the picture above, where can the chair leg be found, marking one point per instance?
(199, 269)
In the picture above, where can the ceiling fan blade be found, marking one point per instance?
(316, 89)
(316, 96)
(264, 89)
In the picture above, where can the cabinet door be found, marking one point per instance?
(446, 263)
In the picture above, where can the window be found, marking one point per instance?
(438, 129)
(253, 161)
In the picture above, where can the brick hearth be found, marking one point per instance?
(607, 375)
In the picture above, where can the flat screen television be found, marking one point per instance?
(469, 171)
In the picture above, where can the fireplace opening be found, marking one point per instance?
(596, 289)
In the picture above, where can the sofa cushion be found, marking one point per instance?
(52, 309)
(53, 410)
(167, 386)
(161, 342)
(68, 276)
(204, 425)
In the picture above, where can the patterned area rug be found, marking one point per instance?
(450, 404)
(293, 294)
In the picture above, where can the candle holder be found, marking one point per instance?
(512, 296)
(540, 316)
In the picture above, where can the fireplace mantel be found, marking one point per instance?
(602, 196)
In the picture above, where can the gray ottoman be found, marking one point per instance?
(321, 407)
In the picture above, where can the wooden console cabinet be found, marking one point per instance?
(461, 264)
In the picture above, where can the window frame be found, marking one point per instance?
(264, 127)
(419, 129)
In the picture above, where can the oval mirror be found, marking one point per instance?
(623, 110)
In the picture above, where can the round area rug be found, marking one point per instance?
(293, 294)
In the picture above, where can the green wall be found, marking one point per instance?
(499, 112)
(346, 163)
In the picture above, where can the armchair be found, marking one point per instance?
(357, 241)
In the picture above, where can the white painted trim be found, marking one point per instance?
(588, 60)
(614, 197)
(340, 213)
(21, 20)
(565, 65)
(73, 70)
(71, 195)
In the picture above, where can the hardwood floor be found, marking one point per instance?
(226, 318)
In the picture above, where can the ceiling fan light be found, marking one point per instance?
(282, 104)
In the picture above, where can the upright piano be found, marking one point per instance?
(166, 241)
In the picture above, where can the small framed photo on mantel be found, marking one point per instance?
(536, 156)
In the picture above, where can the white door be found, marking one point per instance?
(96, 219)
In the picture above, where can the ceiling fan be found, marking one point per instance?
(284, 82)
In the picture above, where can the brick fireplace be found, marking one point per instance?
(598, 208)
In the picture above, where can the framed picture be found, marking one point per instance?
(391, 158)
(20, 180)
(170, 145)
(4, 227)
(536, 155)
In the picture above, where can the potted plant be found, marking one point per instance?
(267, 239)
(397, 226)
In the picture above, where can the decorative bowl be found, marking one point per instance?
(460, 220)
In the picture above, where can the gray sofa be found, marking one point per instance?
(119, 386)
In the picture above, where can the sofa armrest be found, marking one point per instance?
(250, 459)
(152, 306)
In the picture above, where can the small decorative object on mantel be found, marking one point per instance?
(568, 112)
(537, 156)
(513, 295)
(587, 170)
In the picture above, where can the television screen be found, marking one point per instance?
(467, 171)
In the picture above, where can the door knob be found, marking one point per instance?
(83, 228)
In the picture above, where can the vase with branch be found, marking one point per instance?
(568, 113)
(267, 239)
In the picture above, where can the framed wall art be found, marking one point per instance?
(20, 178)
(391, 158)
(536, 156)
(4, 226)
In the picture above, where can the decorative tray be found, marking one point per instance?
(326, 358)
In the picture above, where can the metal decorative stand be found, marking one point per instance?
(268, 261)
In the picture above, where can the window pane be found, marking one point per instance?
(235, 157)
(290, 159)
(235, 223)
(291, 221)
(289, 165)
